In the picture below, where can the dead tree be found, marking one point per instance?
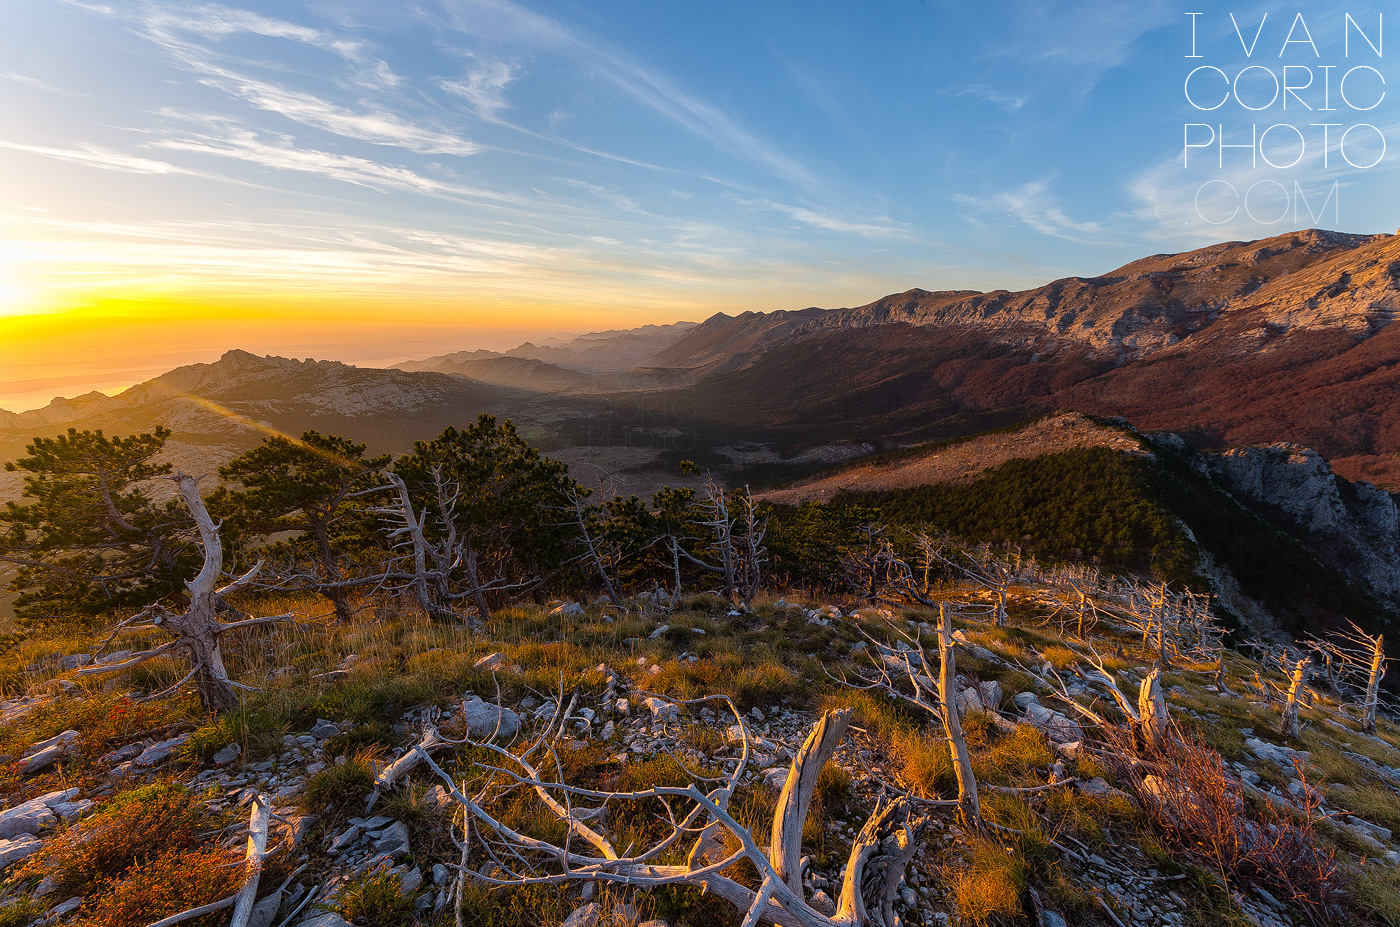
(1147, 717)
(1077, 604)
(579, 515)
(411, 526)
(952, 725)
(440, 569)
(737, 541)
(260, 818)
(1357, 661)
(1297, 682)
(1173, 624)
(903, 674)
(197, 630)
(1296, 669)
(987, 571)
(696, 812)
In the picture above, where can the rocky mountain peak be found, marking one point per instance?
(1359, 522)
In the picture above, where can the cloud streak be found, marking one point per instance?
(1033, 205)
(108, 159)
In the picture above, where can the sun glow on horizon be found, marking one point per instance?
(17, 297)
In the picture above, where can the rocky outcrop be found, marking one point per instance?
(1354, 527)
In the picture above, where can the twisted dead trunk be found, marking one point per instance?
(952, 724)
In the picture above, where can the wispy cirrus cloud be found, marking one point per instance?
(498, 18)
(284, 155)
(179, 29)
(884, 228)
(101, 157)
(378, 126)
(1034, 205)
(484, 87)
(38, 84)
(168, 22)
(1008, 102)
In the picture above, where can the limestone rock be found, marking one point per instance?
(228, 754)
(590, 915)
(661, 710)
(1357, 524)
(482, 719)
(18, 848)
(329, 919)
(47, 752)
(323, 729)
(1058, 727)
(265, 911)
(27, 818)
(493, 663)
(160, 752)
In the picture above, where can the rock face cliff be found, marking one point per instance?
(1355, 527)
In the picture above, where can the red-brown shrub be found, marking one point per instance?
(1199, 807)
(167, 884)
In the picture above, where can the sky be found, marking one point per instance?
(369, 182)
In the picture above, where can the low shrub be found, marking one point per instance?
(165, 884)
(339, 789)
(132, 828)
(376, 900)
(1199, 808)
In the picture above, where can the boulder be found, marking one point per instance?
(323, 729)
(409, 881)
(393, 841)
(265, 911)
(47, 752)
(228, 754)
(160, 752)
(1023, 700)
(59, 911)
(27, 818)
(1059, 728)
(483, 719)
(661, 710)
(776, 777)
(18, 848)
(1282, 757)
(1098, 787)
(328, 919)
(590, 915)
(969, 701)
(493, 662)
(569, 610)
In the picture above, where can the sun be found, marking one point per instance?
(15, 297)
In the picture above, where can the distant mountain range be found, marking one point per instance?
(1285, 339)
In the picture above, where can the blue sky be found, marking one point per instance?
(367, 180)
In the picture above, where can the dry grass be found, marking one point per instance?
(1377, 888)
(990, 887)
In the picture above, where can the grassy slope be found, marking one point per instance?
(775, 660)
